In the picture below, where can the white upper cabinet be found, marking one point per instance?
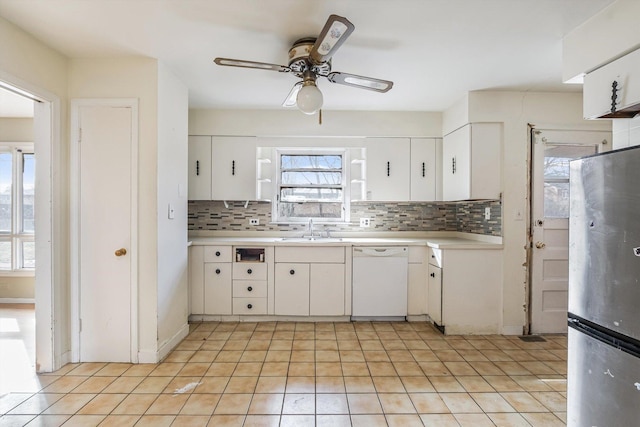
(614, 85)
(424, 169)
(471, 164)
(199, 168)
(233, 168)
(387, 166)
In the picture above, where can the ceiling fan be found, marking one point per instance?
(310, 58)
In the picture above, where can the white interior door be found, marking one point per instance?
(105, 233)
(552, 151)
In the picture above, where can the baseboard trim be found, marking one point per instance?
(165, 349)
(17, 300)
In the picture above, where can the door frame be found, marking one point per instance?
(532, 130)
(74, 152)
(50, 346)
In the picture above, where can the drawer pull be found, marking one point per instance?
(217, 253)
(217, 271)
(433, 274)
(249, 306)
(292, 272)
(197, 167)
(249, 288)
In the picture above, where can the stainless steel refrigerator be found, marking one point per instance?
(603, 383)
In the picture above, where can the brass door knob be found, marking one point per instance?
(121, 251)
(540, 245)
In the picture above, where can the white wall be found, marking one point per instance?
(16, 129)
(516, 110)
(29, 64)
(173, 105)
(606, 36)
(133, 78)
(294, 123)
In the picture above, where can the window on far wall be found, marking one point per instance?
(17, 219)
(311, 184)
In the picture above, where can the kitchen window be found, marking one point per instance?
(17, 219)
(311, 184)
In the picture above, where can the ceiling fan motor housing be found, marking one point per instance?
(299, 60)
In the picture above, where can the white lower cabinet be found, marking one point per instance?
(217, 288)
(326, 289)
(417, 281)
(310, 281)
(465, 290)
(292, 289)
(250, 288)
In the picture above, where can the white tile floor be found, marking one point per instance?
(298, 374)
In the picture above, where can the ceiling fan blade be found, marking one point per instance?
(251, 64)
(292, 98)
(362, 82)
(334, 33)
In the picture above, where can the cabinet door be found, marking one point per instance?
(434, 299)
(423, 169)
(456, 164)
(388, 168)
(217, 288)
(598, 86)
(196, 279)
(233, 168)
(199, 168)
(485, 178)
(292, 289)
(417, 281)
(326, 292)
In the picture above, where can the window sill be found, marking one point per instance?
(17, 273)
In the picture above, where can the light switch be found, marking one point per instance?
(172, 213)
(487, 213)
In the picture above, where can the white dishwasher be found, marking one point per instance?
(380, 282)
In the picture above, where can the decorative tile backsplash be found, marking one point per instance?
(467, 216)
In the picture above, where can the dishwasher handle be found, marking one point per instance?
(390, 251)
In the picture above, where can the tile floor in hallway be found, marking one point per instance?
(306, 374)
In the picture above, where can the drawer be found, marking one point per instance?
(320, 254)
(217, 254)
(249, 271)
(250, 288)
(435, 257)
(249, 306)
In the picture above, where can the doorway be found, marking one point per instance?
(104, 291)
(49, 333)
(552, 150)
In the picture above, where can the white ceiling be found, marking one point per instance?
(434, 50)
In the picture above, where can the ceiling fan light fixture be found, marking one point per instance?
(309, 98)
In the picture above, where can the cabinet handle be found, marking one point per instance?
(249, 306)
(292, 272)
(433, 274)
(614, 96)
(388, 168)
(233, 167)
(249, 271)
(217, 253)
(424, 170)
(197, 167)
(453, 165)
(217, 271)
(249, 288)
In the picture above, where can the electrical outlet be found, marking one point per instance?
(487, 213)
(365, 222)
(254, 221)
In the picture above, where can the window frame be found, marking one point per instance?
(16, 236)
(344, 185)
